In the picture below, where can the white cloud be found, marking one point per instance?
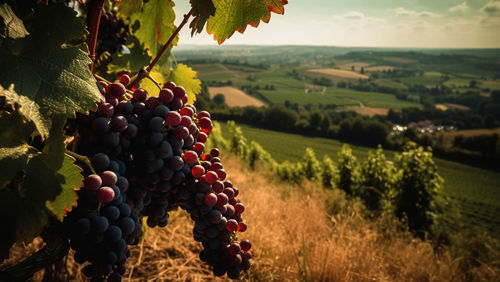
(403, 12)
(459, 8)
(354, 15)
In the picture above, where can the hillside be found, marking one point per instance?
(302, 233)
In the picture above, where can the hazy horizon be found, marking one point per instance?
(456, 24)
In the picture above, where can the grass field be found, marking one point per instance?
(430, 80)
(390, 83)
(476, 190)
(293, 90)
(235, 97)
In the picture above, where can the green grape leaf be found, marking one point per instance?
(235, 15)
(202, 10)
(10, 25)
(73, 180)
(135, 60)
(48, 77)
(12, 161)
(150, 86)
(156, 22)
(128, 7)
(27, 196)
(14, 152)
(187, 78)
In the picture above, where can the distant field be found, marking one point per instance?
(235, 97)
(293, 90)
(447, 106)
(429, 80)
(476, 190)
(380, 68)
(458, 82)
(338, 74)
(368, 111)
(348, 66)
(390, 83)
(470, 132)
(491, 84)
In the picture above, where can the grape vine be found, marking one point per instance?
(95, 160)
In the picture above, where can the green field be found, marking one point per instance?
(476, 190)
(424, 80)
(289, 89)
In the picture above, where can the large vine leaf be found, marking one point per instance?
(49, 77)
(235, 15)
(187, 78)
(10, 26)
(202, 10)
(41, 191)
(14, 152)
(128, 7)
(156, 22)
(150, 86)
(73, 180)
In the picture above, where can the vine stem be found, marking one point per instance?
(145, 72)
(94, 13)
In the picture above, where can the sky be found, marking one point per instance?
(371, 23)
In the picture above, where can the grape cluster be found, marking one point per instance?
(148, 156)
(113, 33)
(101, 224)
(211, 201)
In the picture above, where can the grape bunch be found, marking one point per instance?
(149, 158)
(113, 33)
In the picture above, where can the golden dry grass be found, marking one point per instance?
(299, 233)
(235, 97)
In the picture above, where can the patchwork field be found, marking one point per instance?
(235, 97)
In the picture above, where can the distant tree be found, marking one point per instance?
(279, 117)
(219, 99)
(362, 70)
(473, 84)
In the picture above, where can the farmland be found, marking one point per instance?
(476, 190)
(289, 89)
(235, 97)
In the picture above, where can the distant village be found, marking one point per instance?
(425, 126)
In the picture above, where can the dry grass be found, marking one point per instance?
(368, 111)
(235, 97)
(299, 233)
(338, 74)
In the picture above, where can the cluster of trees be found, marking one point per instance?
(325, 123)
(409, 185)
